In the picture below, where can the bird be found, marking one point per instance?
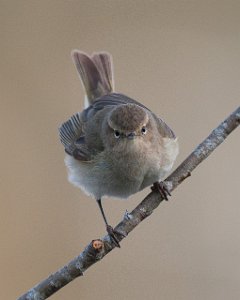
(116, 146)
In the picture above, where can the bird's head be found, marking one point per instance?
(127, 124)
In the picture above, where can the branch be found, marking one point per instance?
(97, 249)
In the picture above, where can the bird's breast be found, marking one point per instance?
(120, 173)
(134, 170)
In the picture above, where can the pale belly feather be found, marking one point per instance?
(106, 176)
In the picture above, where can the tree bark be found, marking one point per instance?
(97, 249)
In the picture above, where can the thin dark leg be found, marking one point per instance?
(99, 201)
(109, 228)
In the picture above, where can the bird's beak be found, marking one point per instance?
(131, 135)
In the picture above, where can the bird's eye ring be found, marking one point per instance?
(144, 130)
(117, 134)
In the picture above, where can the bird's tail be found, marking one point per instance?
(96, 73)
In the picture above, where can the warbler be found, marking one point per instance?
(116, 146)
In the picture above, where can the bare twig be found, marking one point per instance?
(97, 249)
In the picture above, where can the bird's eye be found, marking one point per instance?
(117, 134)
(144, 130)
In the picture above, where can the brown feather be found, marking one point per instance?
(95, 73)
(128, 117)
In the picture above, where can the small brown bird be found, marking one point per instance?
(116, 146)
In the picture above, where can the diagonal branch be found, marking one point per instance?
(96, 251)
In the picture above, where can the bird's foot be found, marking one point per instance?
(162, 188)
(113, 235)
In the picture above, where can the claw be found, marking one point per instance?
(112, 234)
(162, 188)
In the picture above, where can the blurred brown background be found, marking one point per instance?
(182, 60)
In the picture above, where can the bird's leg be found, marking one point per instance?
(162, 188)
(109, 228)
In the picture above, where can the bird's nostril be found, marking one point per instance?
(131, 135)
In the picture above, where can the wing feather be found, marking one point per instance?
(72, 137)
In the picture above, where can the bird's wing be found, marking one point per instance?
(164, 129)
(72, 137)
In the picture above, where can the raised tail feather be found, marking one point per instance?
(96, 73)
